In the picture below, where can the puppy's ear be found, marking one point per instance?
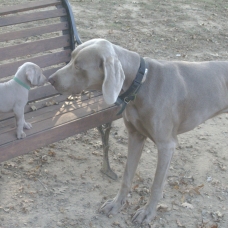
(113, 79)
(30, 75)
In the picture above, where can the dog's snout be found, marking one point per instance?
(51, 80)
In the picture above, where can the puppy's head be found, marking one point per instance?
(34, 74)
(94, 66)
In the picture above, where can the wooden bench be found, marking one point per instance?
(44, 32)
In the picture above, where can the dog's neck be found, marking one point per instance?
(21, 79)
(126, 58)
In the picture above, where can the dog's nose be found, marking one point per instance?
(51, 80)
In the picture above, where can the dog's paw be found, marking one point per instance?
(21, 135)
(144, 216)
(111, 207)
(27, 125)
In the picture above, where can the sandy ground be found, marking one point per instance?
(61, 185)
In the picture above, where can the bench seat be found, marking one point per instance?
(44, 32)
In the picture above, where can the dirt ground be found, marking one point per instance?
(61, 185)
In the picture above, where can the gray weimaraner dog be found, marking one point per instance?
(14, 93)
(174, 98)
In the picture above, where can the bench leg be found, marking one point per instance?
(104, 131)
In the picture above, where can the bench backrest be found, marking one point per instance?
(42, 32)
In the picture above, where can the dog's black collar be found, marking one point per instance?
(131, 93)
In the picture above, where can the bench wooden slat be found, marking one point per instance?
(42, 92)
(43, 61)
(64, 106)
(5, 118)
(51, 71)
(40, 139)
(55, 119)
(40, 104)
(28, 6)
(33, 31)
(61, 98)
(34, 47)
(35, 16)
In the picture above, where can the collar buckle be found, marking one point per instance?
(126, 100)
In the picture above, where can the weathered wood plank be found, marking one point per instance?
(35, 16)
(6, 118)
(37, 31)
(34, 47)
(27, 6)
(49, 112)
(56, 118)
(42, 61)
(43, 138)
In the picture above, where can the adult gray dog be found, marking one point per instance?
(174, 98)
(14, 93)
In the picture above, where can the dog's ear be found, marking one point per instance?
(30, 75)
(113, 79)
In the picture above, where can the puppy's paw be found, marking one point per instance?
(21, 135)
(27, 125)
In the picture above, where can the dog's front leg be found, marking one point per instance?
(135, 146)
(147, 213)
(27, 125)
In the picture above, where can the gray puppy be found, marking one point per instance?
(14, 93)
